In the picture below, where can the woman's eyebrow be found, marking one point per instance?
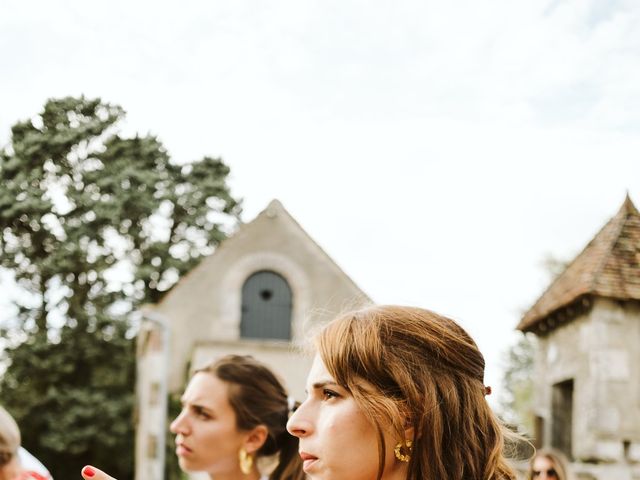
(321, 384)
(194, 404)
(202, 408)
(324, 383)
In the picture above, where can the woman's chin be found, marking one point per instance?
(187, 465)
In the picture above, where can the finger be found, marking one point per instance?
(92, 473)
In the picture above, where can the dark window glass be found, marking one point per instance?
(562, 416)
(266, 307)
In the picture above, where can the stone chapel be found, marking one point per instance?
(259, 293)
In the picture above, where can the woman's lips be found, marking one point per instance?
(182, 450)
(307, 460)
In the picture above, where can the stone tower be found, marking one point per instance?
(587, 365)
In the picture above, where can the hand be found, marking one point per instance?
(92, 473)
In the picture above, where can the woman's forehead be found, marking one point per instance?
(318, 371)
(543, 461)
(205, 388)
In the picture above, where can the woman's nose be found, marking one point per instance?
(299, 425)
(179, 425)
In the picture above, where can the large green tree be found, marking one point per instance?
(92, 224)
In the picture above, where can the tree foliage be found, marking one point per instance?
(517, 395)
(92, 224)
(516, 401)
(73, 399)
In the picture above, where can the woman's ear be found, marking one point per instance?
(409, 431)
(256, 438)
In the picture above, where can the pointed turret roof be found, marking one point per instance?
(609, 266)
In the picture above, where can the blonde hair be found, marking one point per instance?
(407, 366)
(557, 458)
(9, 437)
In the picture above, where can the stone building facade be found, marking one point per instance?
(261, 293)
(587, 364)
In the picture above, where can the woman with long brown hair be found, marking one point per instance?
(234, 413)
(397, 393)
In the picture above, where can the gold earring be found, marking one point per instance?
(246, 461)
(403, 457)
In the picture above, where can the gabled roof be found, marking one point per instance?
(609, 266)
(275, 210)
(275, 207)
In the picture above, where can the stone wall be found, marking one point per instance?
(600, 352)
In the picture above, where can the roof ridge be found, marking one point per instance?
(621, 216)
(328, 257)
(553, 282)
(558, 278)
(585, 273)
(629, 206)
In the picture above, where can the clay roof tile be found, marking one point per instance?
(609, 266)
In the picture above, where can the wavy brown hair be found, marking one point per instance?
(258, 398)
(406, 366)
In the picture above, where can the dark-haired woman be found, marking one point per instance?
(234, 412)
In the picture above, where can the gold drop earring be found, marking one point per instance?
(246, 461)
(403, 456)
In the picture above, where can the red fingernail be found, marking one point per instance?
(88, 471)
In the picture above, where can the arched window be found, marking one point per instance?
(266, 307)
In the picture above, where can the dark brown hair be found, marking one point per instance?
(258, 398)
(407, 366)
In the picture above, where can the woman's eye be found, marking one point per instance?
(328, 394)
(201, 413)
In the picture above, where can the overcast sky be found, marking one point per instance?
(437, 150)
